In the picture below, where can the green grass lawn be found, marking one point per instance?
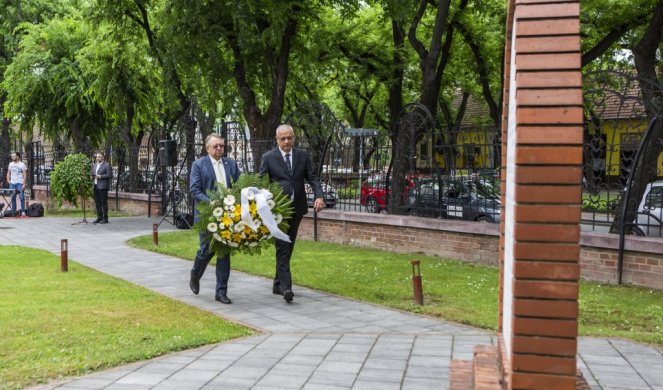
(453, 290)
(55, 324)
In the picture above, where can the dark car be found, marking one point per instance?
(329, 192)
(453, 198)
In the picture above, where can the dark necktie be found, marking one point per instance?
(287, 162)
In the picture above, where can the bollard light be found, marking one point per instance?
(64, 253)
(155, 234)
(416, 283)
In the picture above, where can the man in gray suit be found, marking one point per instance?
(291, 168)
(101, 174)
(206, 172)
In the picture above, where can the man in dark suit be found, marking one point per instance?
(291, 168)
(101, 174)
(206, 172)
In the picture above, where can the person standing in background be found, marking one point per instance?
(101, 174)
(17, 177)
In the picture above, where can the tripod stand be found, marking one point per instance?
(84, 219)
(180, 221)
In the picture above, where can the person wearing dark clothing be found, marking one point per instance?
(291, 168)
(101, 174)
(206, 172)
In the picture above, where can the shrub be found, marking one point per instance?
(71, 179)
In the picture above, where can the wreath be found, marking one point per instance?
(246, 217)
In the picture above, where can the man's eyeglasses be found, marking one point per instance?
(221, 146)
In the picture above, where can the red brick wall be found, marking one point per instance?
(478, 243)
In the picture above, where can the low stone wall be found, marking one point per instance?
(478, 243)
(127, 202)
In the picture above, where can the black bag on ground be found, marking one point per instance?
(35, 210)
(184, 221)
(9, 213)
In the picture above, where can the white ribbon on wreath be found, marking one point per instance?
(260, 196)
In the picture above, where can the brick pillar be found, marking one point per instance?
(542, 146)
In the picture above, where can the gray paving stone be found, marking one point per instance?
(282, 381)
(191, 375)
(387, 364)
(340, 366)
(372, 385)
(332, 378)
(383, 375)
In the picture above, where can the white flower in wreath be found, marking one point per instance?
(212, 227)
(217, 237)
(271, 204)
(257, 222)
(239, 227)
(218, 212)
(233, 244)
(278, 218)
(229, 200)
(253, 244)
(250, 195)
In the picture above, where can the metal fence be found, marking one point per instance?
(420, 167)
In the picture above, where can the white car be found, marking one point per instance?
(650, 211)
(329, 191)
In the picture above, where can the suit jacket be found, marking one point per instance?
(273, 165)
(106, 173)
(203, 178)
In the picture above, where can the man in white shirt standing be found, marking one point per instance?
(17, 176)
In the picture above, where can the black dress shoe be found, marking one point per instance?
(97, 220)
(288, 295)
(276, 290)
(103, 221)
(194, 284)
(223, 299)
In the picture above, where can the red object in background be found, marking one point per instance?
(374, 192)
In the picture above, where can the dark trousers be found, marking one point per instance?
(284, 250)
(101, 202)
(203, 257)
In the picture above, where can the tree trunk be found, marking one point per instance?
(652, 93)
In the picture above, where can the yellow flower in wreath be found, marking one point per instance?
(238, 212)
(237, 237)
(227, 221)
(253, 208)
(226, 234)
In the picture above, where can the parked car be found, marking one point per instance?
(650, 211)
(329, 192)
(470, 200)
(374, 191)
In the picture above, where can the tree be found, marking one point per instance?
(45, 84)
(647, 55)
(15, 13)
(127, 86)
(611, 29)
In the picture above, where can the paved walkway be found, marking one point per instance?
(319, 341)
